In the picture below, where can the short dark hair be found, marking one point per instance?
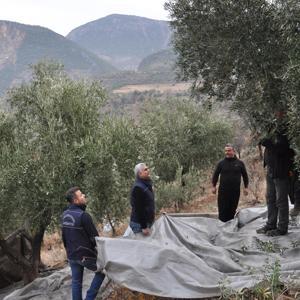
(70, 193)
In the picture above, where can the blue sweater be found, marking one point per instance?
(78, 233)
(142, 203)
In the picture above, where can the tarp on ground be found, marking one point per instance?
(185, 257)
(56, 286)
(195, 257)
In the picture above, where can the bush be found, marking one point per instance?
(182, 134)
(178, 192)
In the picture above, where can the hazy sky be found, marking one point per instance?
(62, 16)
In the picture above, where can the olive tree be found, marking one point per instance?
(53, 123)
(244, 52)
(110, 171)
(180, 133)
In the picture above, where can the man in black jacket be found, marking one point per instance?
(296, 196)
(78, 234)
(294, 190)
(278, 161)
(142, 201)
(230, 170)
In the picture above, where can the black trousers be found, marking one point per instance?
(294, 191)
(297, 193)
(292, 181)
(228, 200)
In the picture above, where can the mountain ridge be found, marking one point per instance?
(123, 40)
(22, 45)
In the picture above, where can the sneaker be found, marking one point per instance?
(295, 212)
(276, 232)
(264, 229)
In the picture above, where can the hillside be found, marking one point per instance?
(162, 61)
(22, 45)
(123, 40)
(156, 68)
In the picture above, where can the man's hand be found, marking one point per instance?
(146, 231)
(214, 190)
(246, 191)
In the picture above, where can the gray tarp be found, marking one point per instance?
(193, 257)
(185, 257)
(57, 286)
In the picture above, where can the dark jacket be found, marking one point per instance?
(142, 203)
(78, 233)
(230, 171)
(278, 156)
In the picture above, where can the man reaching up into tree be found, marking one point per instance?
(278, 161)
(230, 170)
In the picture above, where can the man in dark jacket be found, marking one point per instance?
(230, 169)
(278, 161)
(78, 234)
(296, 195)
(294, 188)
(142, 201)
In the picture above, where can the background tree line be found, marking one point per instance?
(55, 135)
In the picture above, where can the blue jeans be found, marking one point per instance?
(77, 268)
(136, 227)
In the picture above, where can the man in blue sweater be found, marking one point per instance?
(78, 234)
(142, 201)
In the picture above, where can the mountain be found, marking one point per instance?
(160, 61)
(22, 45)
(157, 68)
(123, 40)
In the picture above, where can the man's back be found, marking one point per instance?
(78, 233)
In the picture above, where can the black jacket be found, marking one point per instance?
(142, 203)
(230, 171)
(78, 233)
(278, 156)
